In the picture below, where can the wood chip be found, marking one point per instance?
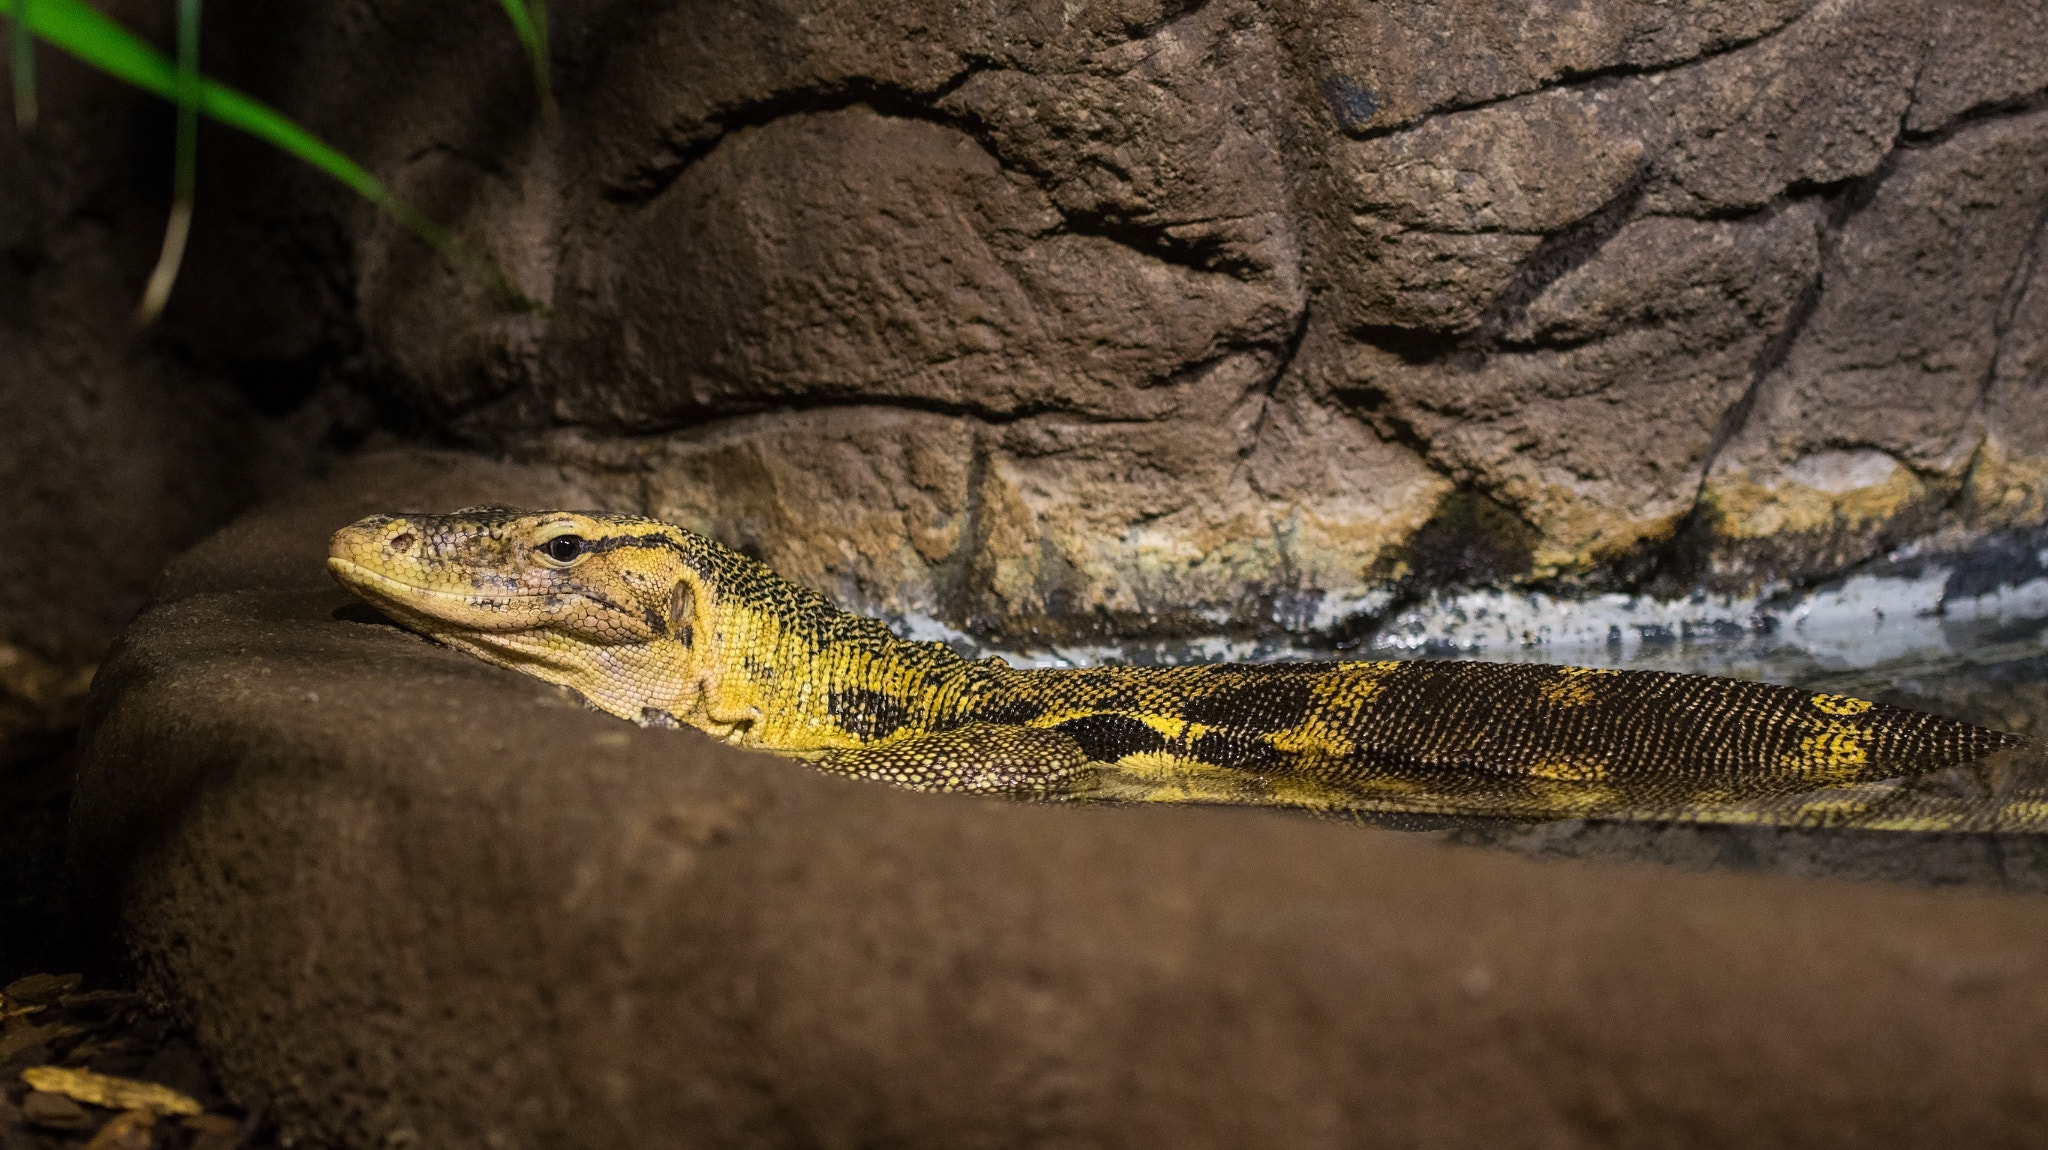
(54, 1112)
(98, 1003)
(18, 1039)
(109, 1091)
(134, 1130)
(36, 988)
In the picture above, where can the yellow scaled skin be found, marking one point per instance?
(659, 625)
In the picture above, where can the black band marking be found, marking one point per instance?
(867, 714)
(1109, 737)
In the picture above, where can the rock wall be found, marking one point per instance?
(1141, 317)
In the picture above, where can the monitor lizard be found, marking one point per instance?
(662, 626)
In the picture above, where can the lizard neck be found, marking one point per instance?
(777, 666)
(645, 682)
(821, 681)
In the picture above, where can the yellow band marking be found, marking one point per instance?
(1835, 748)
(1569, 768)
(1572, 686)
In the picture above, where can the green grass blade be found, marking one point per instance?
(22, 56)
(185, 180)
(530, 22)
(82, 31)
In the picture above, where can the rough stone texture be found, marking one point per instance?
(1447, 214)
(1391, 64)
(1868, 428)
(850, 255)
(1597, 417)
(2008, 480)
(409, 899)
(1819, 103)
(1079, 283)
(2002, 50)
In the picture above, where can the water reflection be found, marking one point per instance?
(1908, 641)
(1978, 664)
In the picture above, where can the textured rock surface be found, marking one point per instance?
(1599, 414)
(1111, 318)
(1868, 428)
(409, 899)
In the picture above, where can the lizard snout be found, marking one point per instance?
(371, 536)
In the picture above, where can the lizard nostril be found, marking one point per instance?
(402, 542)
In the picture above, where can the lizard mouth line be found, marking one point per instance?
(356, 573)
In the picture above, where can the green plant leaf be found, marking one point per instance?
(82, 31)
(530, 22)
(22, 55)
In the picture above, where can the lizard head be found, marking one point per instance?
(606, 605)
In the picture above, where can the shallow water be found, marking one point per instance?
(1989, 671)
(1908, 640)
(1984, 662)
(1974, 651)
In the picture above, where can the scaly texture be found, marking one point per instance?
(662, 626)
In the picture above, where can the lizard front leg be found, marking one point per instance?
(980, 758)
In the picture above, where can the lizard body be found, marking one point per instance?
(662, 626)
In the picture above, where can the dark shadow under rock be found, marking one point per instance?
(2011, 862)
(404, 898)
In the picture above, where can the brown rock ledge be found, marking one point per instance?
(410, 900)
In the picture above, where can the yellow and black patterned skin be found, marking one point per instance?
(659, 625)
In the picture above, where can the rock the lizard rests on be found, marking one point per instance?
(659, 625)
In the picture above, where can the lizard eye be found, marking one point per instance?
(563, 549)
